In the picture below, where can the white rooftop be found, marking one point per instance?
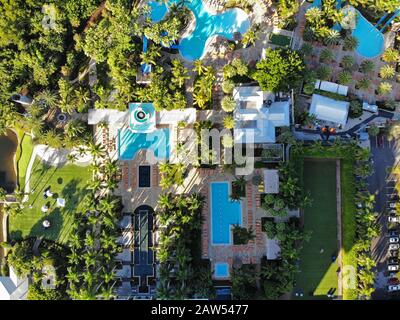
(256, 119)
(327, 109)
(13, 288)
(173, 116)
(271, 181)
(107, 115)
(273, 249)
(331, 87)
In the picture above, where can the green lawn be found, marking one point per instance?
(318, 273)
(23, 156)
(280, 40)
(67, 182)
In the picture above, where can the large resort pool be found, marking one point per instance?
(208, 25)
(224, 213)
(370, 39)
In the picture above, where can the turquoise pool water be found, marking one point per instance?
(129, 143)
(370, 39)
(226, 24)
(224, 213)
(221, 270)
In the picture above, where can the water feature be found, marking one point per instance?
(225, 24)
(8, 147)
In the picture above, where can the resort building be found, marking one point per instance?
(333, 112)
(13, 287)
(258, 114)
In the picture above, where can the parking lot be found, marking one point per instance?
(382, 185)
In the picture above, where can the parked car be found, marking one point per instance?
(392, 212)
(393, 219)
(394, 196)
(393, 288)
(394, 246)
(394, 253)
(393, 267)
(393, 233)
(393, 281)
(393, 239)
(393, 260)
(392, 205)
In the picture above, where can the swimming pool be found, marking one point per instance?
(224, 213)
(221, 270)
(129, 143)
(370, 39)
(226, 24)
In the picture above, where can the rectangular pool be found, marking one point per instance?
(224, 213)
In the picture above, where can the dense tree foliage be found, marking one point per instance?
(280, 70)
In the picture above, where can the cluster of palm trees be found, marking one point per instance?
(167, 87)
(93, 241)
(171, 174)
(320, 22)
(203, 85)
(179, 273)
(290, 196)
(277, 277)
(367, 227)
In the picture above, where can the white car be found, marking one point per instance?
(393, 239)
(370, 107)
(394, 246)
(394, 288)
(393, 267)
(393, 219)
(392, 205)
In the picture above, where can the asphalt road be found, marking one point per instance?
(381, 184)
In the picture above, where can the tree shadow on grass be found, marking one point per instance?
(56, 220)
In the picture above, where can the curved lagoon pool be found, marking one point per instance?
(370, 39)
(226, 24)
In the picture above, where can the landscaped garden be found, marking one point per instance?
(318, 268)
(67, 182)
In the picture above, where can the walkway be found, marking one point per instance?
(339, 226)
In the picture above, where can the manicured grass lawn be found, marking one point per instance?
(24, 153)
(318, 272)
(348, 222)
(67, 182)
(279, 40)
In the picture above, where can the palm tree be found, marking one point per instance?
(228, 122)
(363, 84)
(344, 77)
(332, 37)
(47, 98)
(96, 150)
(384, 88)
(228, 104)
(199, 67)
(390, 55)
(367, 66)
(326, 55)
(324, 72)
(387, 72)
(348, 62)
(75, 128)
(350, 43)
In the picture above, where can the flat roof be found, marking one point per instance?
(271, 181)
(328, 109)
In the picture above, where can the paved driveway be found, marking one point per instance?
(381, 184)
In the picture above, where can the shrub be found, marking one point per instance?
(355, 110)
(306, 49)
